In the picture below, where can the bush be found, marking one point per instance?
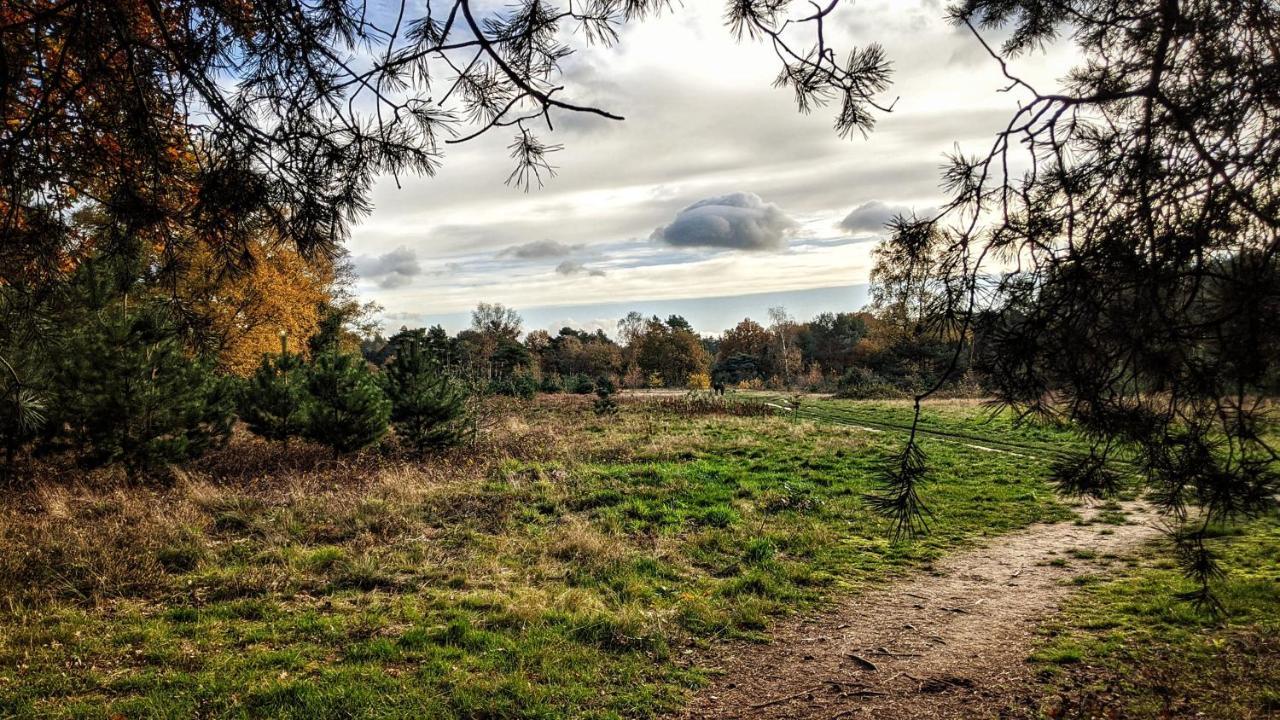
(551, 384)
(580, 385)
(860, 383)
(518, 385)
(346, 409)
(428, 408)
(604, 404)
(273, 401)
(699, 381)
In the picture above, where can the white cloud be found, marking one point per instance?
(702, 117)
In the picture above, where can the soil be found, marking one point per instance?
(949, 643)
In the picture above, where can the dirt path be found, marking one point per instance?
(951, 643)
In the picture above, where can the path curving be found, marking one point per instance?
(950, 643)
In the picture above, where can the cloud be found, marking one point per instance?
(539, 250)
(389, 270)
(871, 217)
(738, 221)
(573, 267)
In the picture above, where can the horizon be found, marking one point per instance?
(708, 316)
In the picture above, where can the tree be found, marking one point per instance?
(22, 415)
(1145, 233)
(739, 367)
(670, 353)
(630, 328)
(274, 400)
(830, 340)
(784, 327)
(496, 321)
(428, 408)
(236, 317)
(127, 392)
(347, 411)
(750, 339)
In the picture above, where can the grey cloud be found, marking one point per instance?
(739, 221)
(872, 217)
(573, 267)
(389, 270)
(539, 250)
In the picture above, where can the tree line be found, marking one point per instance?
(875, 352)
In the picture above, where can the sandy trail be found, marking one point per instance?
(951, 643)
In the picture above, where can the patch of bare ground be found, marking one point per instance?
(948, 643)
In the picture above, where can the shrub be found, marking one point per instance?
(273, 401)
(518, 385)
(428, 409)
(580, 385)
(863, 384)
(551, 383)
(699, 381)
(604, 404)
(346, 409)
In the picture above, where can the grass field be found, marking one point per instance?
(1130, 647)
(568, 564)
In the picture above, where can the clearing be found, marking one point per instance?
(572, 565)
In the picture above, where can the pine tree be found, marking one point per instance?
(128, 392)
(21, 418)
(274, 400)
(346, 409)
(605, 404)
(428, 408)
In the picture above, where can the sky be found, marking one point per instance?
(715, 199)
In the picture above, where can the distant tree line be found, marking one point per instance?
(870, 353)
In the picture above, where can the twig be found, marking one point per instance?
(862, 662)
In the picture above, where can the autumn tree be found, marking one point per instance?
(672, 354)
(237, 315)
(745, 347)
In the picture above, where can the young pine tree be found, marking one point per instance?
(274, 401)
(128, 392)
(346, 410)
(605, 404)
(428, 409)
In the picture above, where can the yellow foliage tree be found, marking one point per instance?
(238, 315)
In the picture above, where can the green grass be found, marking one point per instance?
(962, 418)
(1130, 647)
(563, 573)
